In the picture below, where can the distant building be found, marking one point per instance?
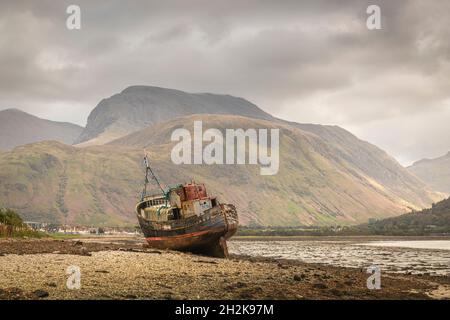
(34, 225)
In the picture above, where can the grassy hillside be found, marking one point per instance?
(435, 220)
(314, 186)
(50, 181)
(375, 163)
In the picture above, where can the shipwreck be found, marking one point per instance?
(185, 218)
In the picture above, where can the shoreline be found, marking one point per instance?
(122, 268)
(340, 238)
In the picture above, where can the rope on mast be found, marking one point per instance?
(147, 170)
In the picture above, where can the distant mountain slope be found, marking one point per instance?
(18, 128)
(435, 172)
(369, 159)
(137, 107)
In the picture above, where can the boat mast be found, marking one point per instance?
(148, 170)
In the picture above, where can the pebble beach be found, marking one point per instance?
(126, 269)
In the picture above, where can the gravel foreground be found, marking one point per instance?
(127, 269)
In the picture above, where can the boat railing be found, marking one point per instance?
(155, 200)
(183, 223)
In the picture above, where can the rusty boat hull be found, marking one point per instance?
(205, 234)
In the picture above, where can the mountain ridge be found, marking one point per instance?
(136, 107)
(435, 172)
(18, 127)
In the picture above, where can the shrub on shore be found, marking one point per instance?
(12, 226)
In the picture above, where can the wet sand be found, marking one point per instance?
(122, 268)
(402, 255)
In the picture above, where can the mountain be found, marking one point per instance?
(18, 128)
(136, 107)
(327, 175)
(99, 185)
(435, 172)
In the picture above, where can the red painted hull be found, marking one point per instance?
(210, 242)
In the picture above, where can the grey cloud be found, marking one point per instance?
(309, 61)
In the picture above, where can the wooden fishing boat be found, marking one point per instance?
(186, 218)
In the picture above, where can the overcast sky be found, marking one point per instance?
(307, 61)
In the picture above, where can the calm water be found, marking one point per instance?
(392, 256)
(429, 244)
